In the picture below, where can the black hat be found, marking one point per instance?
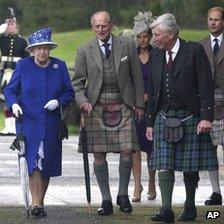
(11, 14)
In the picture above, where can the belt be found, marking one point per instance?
(182, 120)
(10, 59)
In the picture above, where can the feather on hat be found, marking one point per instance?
(142, 22)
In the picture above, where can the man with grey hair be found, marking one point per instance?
(109, 91)
(180, 112)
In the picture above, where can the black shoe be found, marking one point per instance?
(215, 199)
(35, 211)
(164, 215)
(124, 203)
(188, 214)
(43, 212)
(106, 208)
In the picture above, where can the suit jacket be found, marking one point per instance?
(88, 77)
(192, 80)
(206, 43)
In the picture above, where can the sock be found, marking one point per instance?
(166, 183)
(102, 176)
(214, 179)
(191, 181)
(125, 167)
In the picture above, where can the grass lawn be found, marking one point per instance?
(69, 41)
(79, 215)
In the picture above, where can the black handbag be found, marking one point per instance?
(63, 129)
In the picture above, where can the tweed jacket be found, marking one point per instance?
(88, 76)
(206, 43)
(192, 80)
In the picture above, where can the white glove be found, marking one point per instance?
(3, 28)
(16, 109)
(51, 105)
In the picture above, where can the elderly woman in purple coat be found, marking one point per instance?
(40, 85)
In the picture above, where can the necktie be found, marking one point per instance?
(170, 60)
(107, 49)
(216, 47)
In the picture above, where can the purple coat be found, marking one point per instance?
(32, 87)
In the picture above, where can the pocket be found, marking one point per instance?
(173, 130)
(111, 114)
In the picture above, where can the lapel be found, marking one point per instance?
(95, 52)
(221, 50)
(180, 58)
(158, 69)
(208, 49)
(117, 51)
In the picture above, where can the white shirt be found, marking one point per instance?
(101, 44)
(174, 50)
(219, 38)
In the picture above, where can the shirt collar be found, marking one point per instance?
(218, 37)
(176, 47)
(109, 41)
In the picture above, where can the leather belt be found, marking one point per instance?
(10, 59)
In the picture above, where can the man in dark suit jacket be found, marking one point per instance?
(109, 90)
(180, 102)
(214, 48)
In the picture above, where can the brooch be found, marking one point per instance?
(55, 65)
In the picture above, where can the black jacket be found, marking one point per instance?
(192, 80)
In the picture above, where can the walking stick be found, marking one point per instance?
(85, 162)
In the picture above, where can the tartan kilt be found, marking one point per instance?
(192, 153)
(104, 139)
(217, 133)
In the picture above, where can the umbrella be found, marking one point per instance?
(85, 161)
(18, 146)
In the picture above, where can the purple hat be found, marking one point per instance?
(40, 37)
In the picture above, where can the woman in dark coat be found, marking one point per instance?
(40, 85)
(143, 36)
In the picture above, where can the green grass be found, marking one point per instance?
(79, 215)
(2, 122)
(69, 41)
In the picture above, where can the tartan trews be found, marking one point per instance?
(192, 153)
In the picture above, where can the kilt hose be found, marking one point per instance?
(217, 132)
(104, 139)
(192, 153)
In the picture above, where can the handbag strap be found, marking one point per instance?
(61, 112)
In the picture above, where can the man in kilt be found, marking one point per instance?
(110, 93)
(180, 112)
(214, 48)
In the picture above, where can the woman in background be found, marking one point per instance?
(143, 36)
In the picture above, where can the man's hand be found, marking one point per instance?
(204, 126)
(86, 107)
(16, 109)
(139, 112)
(149, 133)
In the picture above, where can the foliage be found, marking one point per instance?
(67, 15)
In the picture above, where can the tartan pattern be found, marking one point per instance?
(192, 153)
(217, 133)
(104, 139)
